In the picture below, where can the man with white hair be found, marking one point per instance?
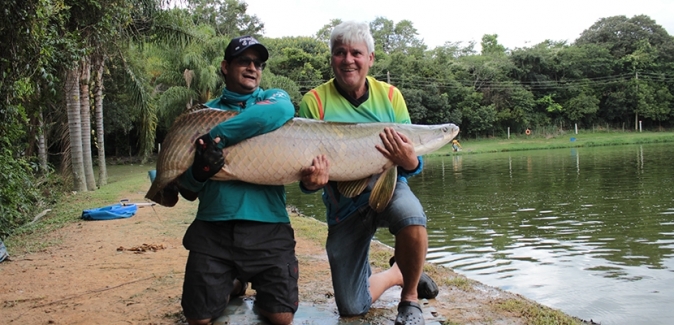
(353, 96)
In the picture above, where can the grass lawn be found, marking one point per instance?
(566, 140)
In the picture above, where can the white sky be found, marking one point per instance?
(518, 23)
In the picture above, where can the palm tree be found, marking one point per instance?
(190, 75)
(85, 111)
(98, 61)
(110, 30)
(72, 90)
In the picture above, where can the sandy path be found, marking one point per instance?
(92, 277)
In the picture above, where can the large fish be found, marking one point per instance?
(276, 158)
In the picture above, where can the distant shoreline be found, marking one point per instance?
(521, 142)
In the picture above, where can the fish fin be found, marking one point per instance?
(187, 194)
(166, 196)
(382, 192)
(352, 188)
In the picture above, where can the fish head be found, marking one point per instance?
(450, 131)
(429, 138)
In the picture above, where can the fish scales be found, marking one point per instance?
(276, 158)
(177, 152)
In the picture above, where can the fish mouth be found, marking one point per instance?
(451, 131)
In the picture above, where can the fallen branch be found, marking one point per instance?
(143, 248)
(40, 215)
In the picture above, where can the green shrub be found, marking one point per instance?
(21, 193)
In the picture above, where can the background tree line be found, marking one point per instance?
(82, 79)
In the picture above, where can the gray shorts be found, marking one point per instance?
(348, 247)
(260, 253)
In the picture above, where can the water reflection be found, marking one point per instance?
(587, 230)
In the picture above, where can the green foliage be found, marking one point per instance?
(392, 37)
(654, 101)
(32, 53)
(270, 80)
(173, 102)
(147, 112)
(430, 106)
(184, 76)
(581, 106)
(228, 17)
(323, 34)
(19, 194)
(479, 120)
(171, 27)
(549, 105)
(623, 36)
(414, 100)
(305, 60)
(490, 45)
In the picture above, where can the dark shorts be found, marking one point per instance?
(260, 253)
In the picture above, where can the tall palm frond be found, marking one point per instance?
(147, 111)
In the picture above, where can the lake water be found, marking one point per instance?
(589, 231)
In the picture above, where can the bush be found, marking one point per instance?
(20, 193)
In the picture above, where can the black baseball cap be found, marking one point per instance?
(240, 44)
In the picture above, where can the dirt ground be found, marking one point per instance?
(130, 271)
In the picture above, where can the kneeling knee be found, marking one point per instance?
(280, 318)
(349, 310)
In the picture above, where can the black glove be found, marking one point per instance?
(208, 159)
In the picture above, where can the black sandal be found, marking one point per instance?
(409, 313)
(427, 288)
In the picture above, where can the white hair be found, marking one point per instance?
(351, 32)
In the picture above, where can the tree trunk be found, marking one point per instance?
(85, 111)
(99, 65)
(42, 145)
(75, 128)
(189, 76)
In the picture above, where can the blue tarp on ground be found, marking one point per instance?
(115, 211)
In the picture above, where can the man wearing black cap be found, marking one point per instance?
(242, 231)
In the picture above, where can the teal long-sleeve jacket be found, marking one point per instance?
(260, 112)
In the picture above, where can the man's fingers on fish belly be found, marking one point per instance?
(385, 139)
(393, 144)
(383, 151)
(323, 161)
(307, 171)
(403, 138)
